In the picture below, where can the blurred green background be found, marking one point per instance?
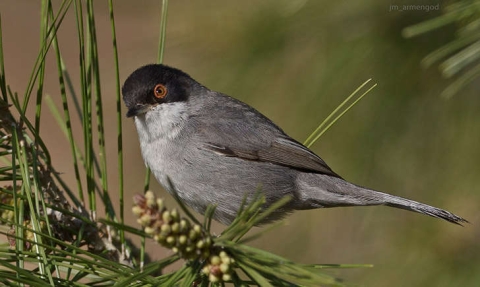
(295, 61)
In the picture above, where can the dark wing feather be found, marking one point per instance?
(241, 131)
(283, 151)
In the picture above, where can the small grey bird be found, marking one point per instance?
(215, 149)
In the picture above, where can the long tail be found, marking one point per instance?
(316, 191)
(403, 203)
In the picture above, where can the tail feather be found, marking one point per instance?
(407, 204)
(317, 191)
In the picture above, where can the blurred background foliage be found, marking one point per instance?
(295, 61)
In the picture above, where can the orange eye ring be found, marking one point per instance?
(160, 91)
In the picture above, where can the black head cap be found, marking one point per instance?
(155, 84)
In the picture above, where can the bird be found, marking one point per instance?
(211, 149)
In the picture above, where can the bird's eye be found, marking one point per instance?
(160, 91)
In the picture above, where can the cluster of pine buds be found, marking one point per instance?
(166, 227)
(219, 267)
(190, 241)
(28, 234)
(6, 198)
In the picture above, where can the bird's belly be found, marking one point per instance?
(202, 178)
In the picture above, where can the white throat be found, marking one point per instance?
(164, 121)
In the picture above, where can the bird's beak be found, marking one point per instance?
(138, 109)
